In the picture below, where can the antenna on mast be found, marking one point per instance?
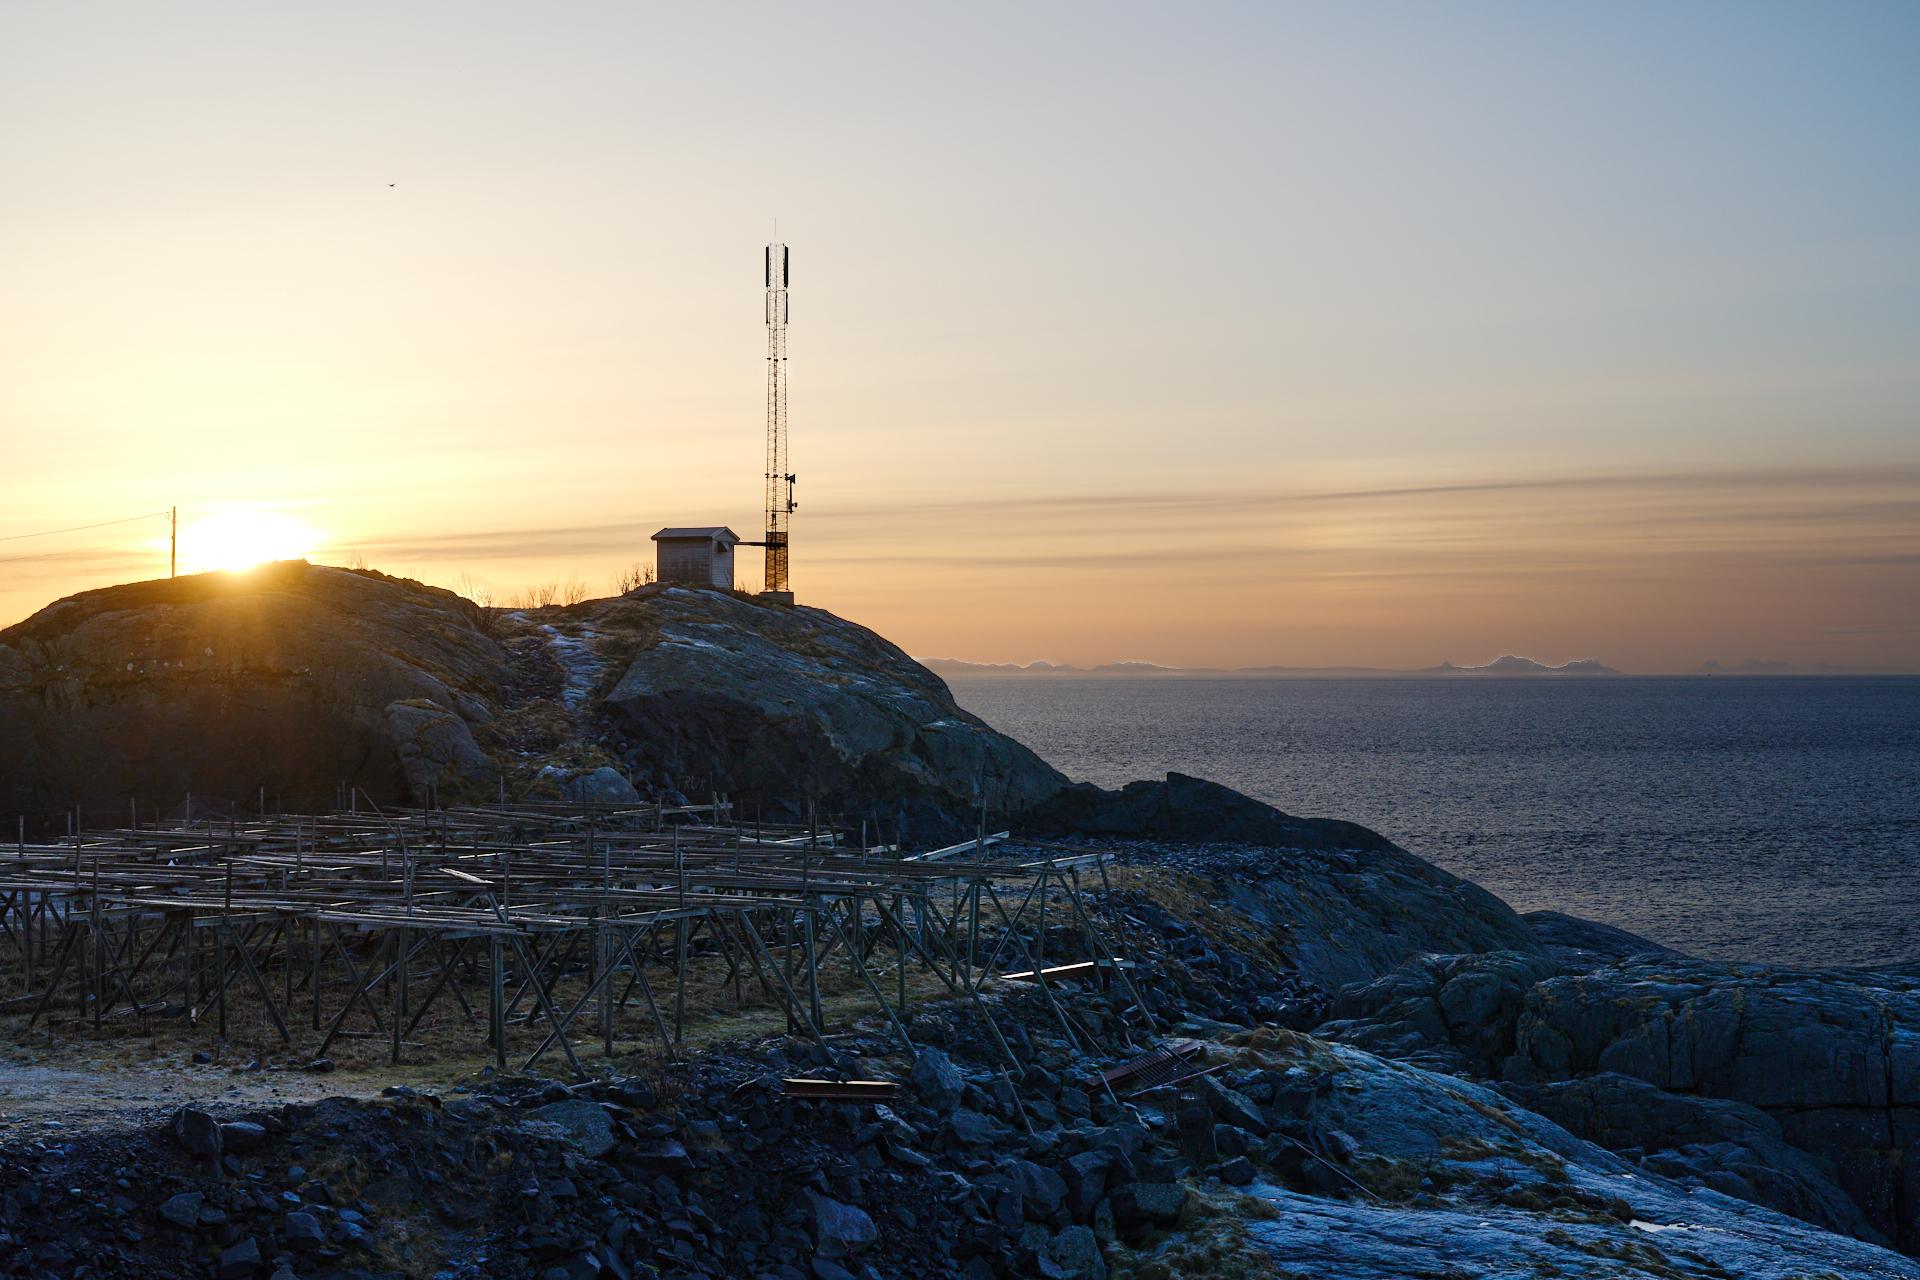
(780, 503)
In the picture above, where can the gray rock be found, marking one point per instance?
(840, 1229)
(1238, 1172)
(1230, 1106)
(1148, 1204)
(1077, 1253)
(302, 1230)
(1085, 1176)
(1042, 1191)
(438, 754)
(240, 1261)
(1727, 1145)
(969, 1128)
(585, 1123)
(1493, 1165)
(183, 1210)
(936, 1080)
(197, 1132)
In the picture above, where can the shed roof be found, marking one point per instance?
(705, 533)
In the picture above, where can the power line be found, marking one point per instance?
(81, 528)
(67, 553)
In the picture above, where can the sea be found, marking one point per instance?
(1766, 819)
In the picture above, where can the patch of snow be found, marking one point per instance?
(576, 658)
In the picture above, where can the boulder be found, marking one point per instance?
(438, 754)
(585, 1123)
(302, 1231)
(936, 1080)
(239, 1261)
(839, 1229)
(1148, 1204)
(1086, 1178)
(183, 1210)
(1076, 1251)
(1192, 810)
(197, 1132)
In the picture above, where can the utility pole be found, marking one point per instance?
(173, 541)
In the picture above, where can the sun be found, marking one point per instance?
(241, 537)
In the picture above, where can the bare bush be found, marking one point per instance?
(632, 578)
(478, 590)
(573, 591)
(538, 596)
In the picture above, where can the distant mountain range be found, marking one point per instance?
(1507, 665)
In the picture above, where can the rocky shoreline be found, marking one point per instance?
(1384, 1072)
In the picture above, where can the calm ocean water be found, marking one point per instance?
(1773, 820)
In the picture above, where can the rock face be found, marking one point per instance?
(1450, 1013)
(1729, 1147)
(1345, 915)
(712, 691)
(1464, 1183)
(1826, 1062)
(1833, 1057)
(292, 678)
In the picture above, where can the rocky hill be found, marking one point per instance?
(1393, 1074)
(295, 685)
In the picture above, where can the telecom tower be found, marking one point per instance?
(780, 502)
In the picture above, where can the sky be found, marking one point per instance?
(1203, 334)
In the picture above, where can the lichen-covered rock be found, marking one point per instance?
(437, 752)
(713, 691)
(229, 684)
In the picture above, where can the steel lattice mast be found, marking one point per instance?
(780, 502)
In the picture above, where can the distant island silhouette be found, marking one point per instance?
(1505, 665)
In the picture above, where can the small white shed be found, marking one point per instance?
(701, 556)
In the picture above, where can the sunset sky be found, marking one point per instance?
(1205, 334)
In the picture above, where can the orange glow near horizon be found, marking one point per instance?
(1352, 339)
(242, 537)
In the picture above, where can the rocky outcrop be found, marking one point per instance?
(1452, 1013)
(438, 755)
(1830, 1058)
(1336, 916)
(1193, 811)
(1588, 944)
(711, 691)
(1729, 1147)
(1833, 1057)
(1393, 1171)
(289, 679)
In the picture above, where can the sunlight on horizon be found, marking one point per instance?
(242, 537)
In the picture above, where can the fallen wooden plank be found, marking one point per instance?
(842, 1090)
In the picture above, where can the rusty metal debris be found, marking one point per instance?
(1168, 1064)
(843, 1090)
